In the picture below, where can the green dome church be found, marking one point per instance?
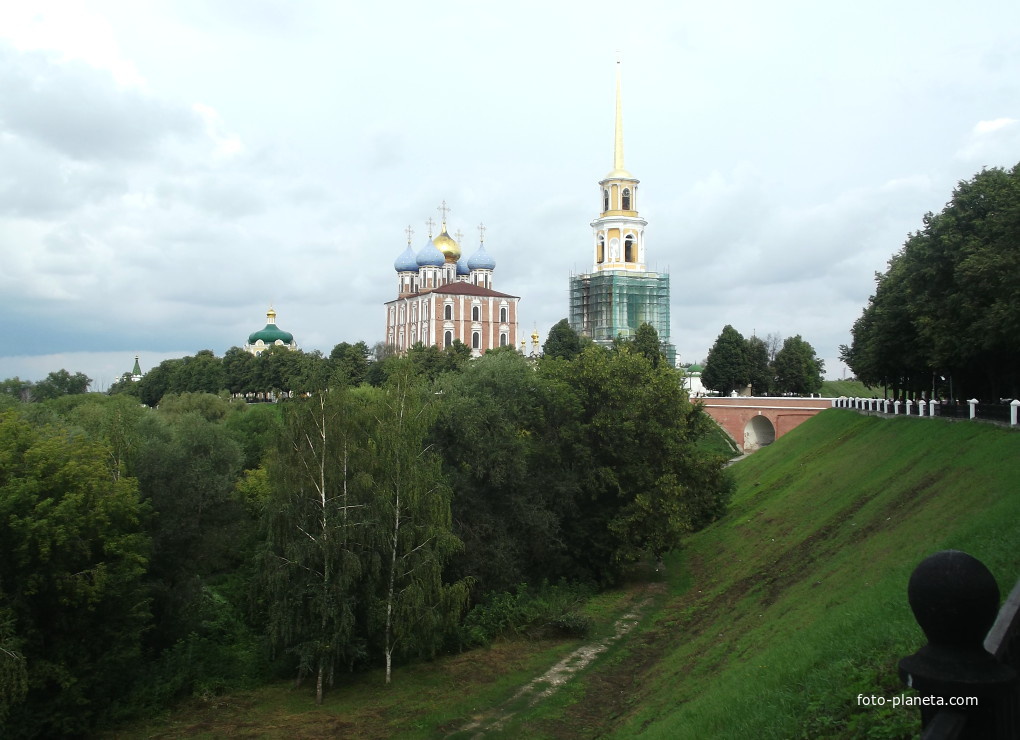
(269, 336)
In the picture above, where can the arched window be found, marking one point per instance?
(626, 199)
(605, 199)
(502, 340)
(448, 312)
(476, 313)
(602, 249)
(628, 248)
(476, 340)
(502, 314)
(448, 339)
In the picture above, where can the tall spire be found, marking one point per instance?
(618, 148)
(619, 170)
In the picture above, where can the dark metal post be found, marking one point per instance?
(955, 600)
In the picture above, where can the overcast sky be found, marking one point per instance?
(169, 169)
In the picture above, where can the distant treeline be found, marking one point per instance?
(151, 554)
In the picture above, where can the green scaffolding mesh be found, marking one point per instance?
(614, 303)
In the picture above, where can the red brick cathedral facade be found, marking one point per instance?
(441, 297)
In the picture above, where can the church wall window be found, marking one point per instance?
(605, 200)
(626, 199)
(502, 339)
(628, 248)
(476, 340)
(448, 312)
(476, 313)
(502, 314)
(448, 339)
(601, 257)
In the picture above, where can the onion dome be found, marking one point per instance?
(481, 260)
(406, 262)
(462, 267)
(271, 332)
(447, 245)
(430, 256)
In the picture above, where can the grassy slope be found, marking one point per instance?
(848, 388)
(797, 598)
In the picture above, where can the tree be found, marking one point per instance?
(60, 383)
(239, 371)
(504, 432)
(797, 368)
(642, 484)
(947, 304)
(186, 468)
(350, 362)
(316, 524)
(72, 603)
(646, 342)
(727, 367)
(562, 341)
(760, 375)
(415, 540)
(16, 388)
(157, 382)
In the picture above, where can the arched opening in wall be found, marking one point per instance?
(502, 314)
(448, 339)
(626, 199)
(476, 313)
(448, 312)
(758, 432)
(502, 340)
(602, 250)
(476, 340)
(605, 200)
(628, 249)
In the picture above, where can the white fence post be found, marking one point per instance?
(1013, 406)
(896, 407)
(931, 407)
(908, 404)
(973, 407)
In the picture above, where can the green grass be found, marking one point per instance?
(797, 600)
(848, 388)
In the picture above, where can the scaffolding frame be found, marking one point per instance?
(614, 303)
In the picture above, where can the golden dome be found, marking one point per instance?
(447, 245)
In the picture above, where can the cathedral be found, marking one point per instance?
(620, 293)
(441, 297)
(270, 335)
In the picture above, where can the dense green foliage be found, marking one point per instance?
(72, 556)
(735, 363)
(338, 529)
(945, 313)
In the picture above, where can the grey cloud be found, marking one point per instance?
(39, 183)
(80, 111)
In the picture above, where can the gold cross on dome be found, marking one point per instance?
(443, 210)
(481, 233)
(459, 235)
(431, 224)
(410, 233)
